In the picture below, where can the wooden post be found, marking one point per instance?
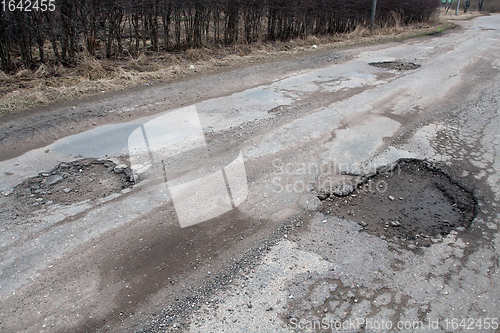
(374, 7)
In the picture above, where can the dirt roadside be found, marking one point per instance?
(52, 83)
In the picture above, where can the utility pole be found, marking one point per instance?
(458, 5)
(374, 7)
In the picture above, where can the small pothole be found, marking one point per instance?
(411, 201)
(397, 65)
(279, 110)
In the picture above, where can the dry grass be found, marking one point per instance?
(27, 89)
(90, 68)
(461, 15)
(489, 6)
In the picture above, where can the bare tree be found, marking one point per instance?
(110, 27)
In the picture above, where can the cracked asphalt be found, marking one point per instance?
(279, 262)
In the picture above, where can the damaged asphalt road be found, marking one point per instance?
(371, 204)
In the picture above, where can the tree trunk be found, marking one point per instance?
(231, 33)
(167, 17)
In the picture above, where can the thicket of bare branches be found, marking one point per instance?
(118, 28)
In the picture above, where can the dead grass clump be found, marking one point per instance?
(123, 74)
(312, 40)
(43, 71)
(90, 68)
(142, 64)
(391, 24)
(360, 31)
(143, 60)
(134, 65)
(397, 22)
(147, 64)
(24, 73)
(193, 55)
(200, 55)
(4, 77)
(298, 43)
(60, 70)
(243, 50)
(169, 59)
(258, 45)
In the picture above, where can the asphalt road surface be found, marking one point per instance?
(351, 190)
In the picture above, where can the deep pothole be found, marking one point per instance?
(70, 183)
(397, 65)
(409, 201)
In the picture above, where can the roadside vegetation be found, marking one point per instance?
(88, 47)
(488, 6)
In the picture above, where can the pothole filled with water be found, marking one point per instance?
(410, 201)
(397, 65)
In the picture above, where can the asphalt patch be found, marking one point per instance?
(408, 201)
(397, 65)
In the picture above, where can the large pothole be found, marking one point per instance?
(70, 183)
(411, 200)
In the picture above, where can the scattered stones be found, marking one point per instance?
(397, 65)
